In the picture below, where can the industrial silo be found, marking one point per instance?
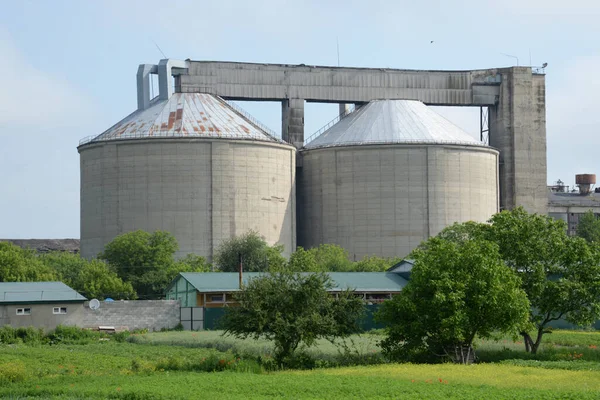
(390, 175)
(192, 165)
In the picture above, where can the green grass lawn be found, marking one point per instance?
(359, 347)
(169, 365)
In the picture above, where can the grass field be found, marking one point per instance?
(171, 364)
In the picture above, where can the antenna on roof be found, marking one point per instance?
(159, 49)
(337, 40)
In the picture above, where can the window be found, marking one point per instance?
(59, 310)
(23, 311)
(217, 298)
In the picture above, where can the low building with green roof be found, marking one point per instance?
(39, 304)
(202, 294)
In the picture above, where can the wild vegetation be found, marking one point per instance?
(143, 366)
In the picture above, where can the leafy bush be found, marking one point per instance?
(12, 372)
(73, 335)
(30, 335)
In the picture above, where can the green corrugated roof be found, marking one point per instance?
(207, 282)
(37, 292)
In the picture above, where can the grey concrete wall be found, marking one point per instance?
(340, 84)
(202, 191)
(41, 315)
(384, 200)
(518, 130)
(133, 314)
(516, 98)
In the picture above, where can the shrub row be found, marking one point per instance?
(60, 335)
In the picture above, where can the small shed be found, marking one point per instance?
(39, 304)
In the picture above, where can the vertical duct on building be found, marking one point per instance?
(143, 84)
(166, 71)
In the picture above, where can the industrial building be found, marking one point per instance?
(381, 180)
(390, 175)
(570, 205)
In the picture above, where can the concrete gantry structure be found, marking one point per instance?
(514, 96)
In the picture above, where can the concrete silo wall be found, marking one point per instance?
(384, 200)
(202, 191)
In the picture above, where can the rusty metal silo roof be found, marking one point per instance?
(189, 115)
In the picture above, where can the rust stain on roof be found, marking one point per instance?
(186, 114)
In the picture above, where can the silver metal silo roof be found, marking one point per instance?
(190, 115)
(392, 121)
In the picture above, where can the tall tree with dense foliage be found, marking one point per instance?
(22, 265)
(302, 261)
(257, 255)
(147, 261)
(292, 309)
(560, 274)
(91, 278)
(589, 227)
(331, 257)
(457, 291)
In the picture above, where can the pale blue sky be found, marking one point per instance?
(67, 70)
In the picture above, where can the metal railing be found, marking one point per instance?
(411, 142)
(329, 125)
(250, 118)
(214, 135)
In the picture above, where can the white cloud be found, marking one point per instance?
(32, 97)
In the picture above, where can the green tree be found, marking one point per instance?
(22, 265)
(256, 254)
(457, 290)
(589, 227)
(331, 257)
(91, 278)
(302, 261)
(292, 309)
(373, 264)
(146, 260)
(561, 275)
(132, 253)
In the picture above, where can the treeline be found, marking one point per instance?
(140, 265)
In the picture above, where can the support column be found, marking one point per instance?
(517, 128)
(292, 118)
(344, 109)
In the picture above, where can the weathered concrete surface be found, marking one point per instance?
(42, 315)
(133, 314)
(340, 84)
(384, 200)
(518, 129)
(201, 191)
(515, 97)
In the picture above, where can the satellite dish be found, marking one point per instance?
(94, 304)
